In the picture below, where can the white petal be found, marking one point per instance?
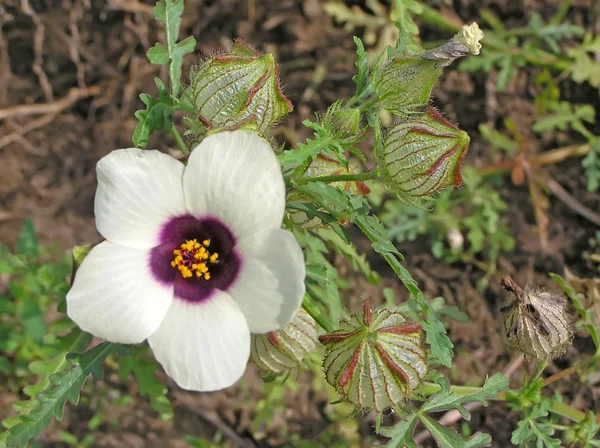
(270, 288)
(203, 346)
(115, 297)
(138, 191)
(235, 177)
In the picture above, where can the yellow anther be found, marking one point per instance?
(190, 259)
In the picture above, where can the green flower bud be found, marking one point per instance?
(536, 322)
(344, 125)
(229, 90)
(279, 351)
(421, 156)
(375, 360)
(404, 84)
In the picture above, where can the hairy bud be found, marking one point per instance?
(234, 89)
(421, 156)
(279, 351)
(344, 125)
(404, 84)
(536, 322)
(375, 360)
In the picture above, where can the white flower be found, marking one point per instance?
(194, 258)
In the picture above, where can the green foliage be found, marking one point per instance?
(297, 160)
(473, 213)
(62, 386)
(158, 115)
(34, 284)
(169, 13)
(401, 15)
(539, 43)
(535, 427)
(401, 435)
(341, 206)
(591, 165)
(362, 66)
(143, 368)
(28, 243)
(567, 116)
(584, 67)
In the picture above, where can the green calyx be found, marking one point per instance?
(344, 125)
(422, 156)
(375, 360)
(239, 89)
(404, 84)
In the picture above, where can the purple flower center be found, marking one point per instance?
(197, 256)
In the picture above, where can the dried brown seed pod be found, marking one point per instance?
(536, 322)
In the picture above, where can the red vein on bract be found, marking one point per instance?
(408, 328)
(392, 365)
(336, 337)
(349, 370)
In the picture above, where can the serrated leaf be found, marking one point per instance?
(447, 438)
(67, 386)
(157, 116)
(445, 399)
(401, 435)
(362, 65)
(169, 13)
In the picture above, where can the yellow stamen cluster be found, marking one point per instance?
(191, 259)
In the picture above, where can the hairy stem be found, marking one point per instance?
(336, 178)
(180, 143)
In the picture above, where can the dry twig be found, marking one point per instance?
(38, 48)
(71, 98)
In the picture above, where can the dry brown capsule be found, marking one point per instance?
(536, 322)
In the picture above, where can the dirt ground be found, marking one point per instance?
(70, 75)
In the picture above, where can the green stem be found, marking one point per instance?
(180, 143)
(336, 178)
(538, 371)
(317, 314)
